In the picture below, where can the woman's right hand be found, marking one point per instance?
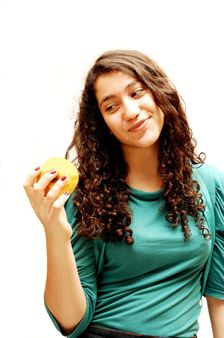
(49, 207)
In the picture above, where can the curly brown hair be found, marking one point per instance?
(102, 196)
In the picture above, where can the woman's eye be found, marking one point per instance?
(110, 108)
(137, 92)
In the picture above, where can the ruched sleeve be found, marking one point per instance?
(86, 264)
(215, 281)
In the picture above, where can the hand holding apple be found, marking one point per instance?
(48, 188)
(64, 168)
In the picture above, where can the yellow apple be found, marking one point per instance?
(64, 168)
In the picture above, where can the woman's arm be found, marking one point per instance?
(216, 313)
(64, 295)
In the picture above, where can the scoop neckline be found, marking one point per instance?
(146, 195)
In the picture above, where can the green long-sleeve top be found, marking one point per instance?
(155, 286)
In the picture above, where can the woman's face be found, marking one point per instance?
(129, 110)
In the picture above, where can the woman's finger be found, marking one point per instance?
(31, 178)
(43, 182)
(59, 203)
(55, 191)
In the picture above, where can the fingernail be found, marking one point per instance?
(52, 172)
(37, 168)
(63, 178)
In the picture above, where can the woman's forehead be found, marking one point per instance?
(113, 83)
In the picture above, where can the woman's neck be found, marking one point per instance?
(143, 171)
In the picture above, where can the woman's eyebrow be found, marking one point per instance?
(112, 96)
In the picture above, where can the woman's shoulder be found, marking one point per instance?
(213, 176)
(211, 181)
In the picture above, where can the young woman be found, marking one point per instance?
(142, 238)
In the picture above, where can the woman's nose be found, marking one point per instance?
(131, 109)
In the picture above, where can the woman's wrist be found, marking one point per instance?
(57, 237)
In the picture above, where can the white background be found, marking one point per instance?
(46, 49)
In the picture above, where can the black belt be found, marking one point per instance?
(94, 331)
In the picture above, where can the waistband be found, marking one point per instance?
(94, 331)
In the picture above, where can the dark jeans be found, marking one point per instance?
(93, 331)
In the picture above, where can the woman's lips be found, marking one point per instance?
(140, 125)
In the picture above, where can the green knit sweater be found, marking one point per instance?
(155, 286)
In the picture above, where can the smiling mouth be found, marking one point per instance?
(140, 125)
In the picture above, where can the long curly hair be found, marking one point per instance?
(102, 196)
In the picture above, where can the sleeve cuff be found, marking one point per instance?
(55, 322)
(78, 329)
(214, 293)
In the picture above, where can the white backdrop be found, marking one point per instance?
(46, 49)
